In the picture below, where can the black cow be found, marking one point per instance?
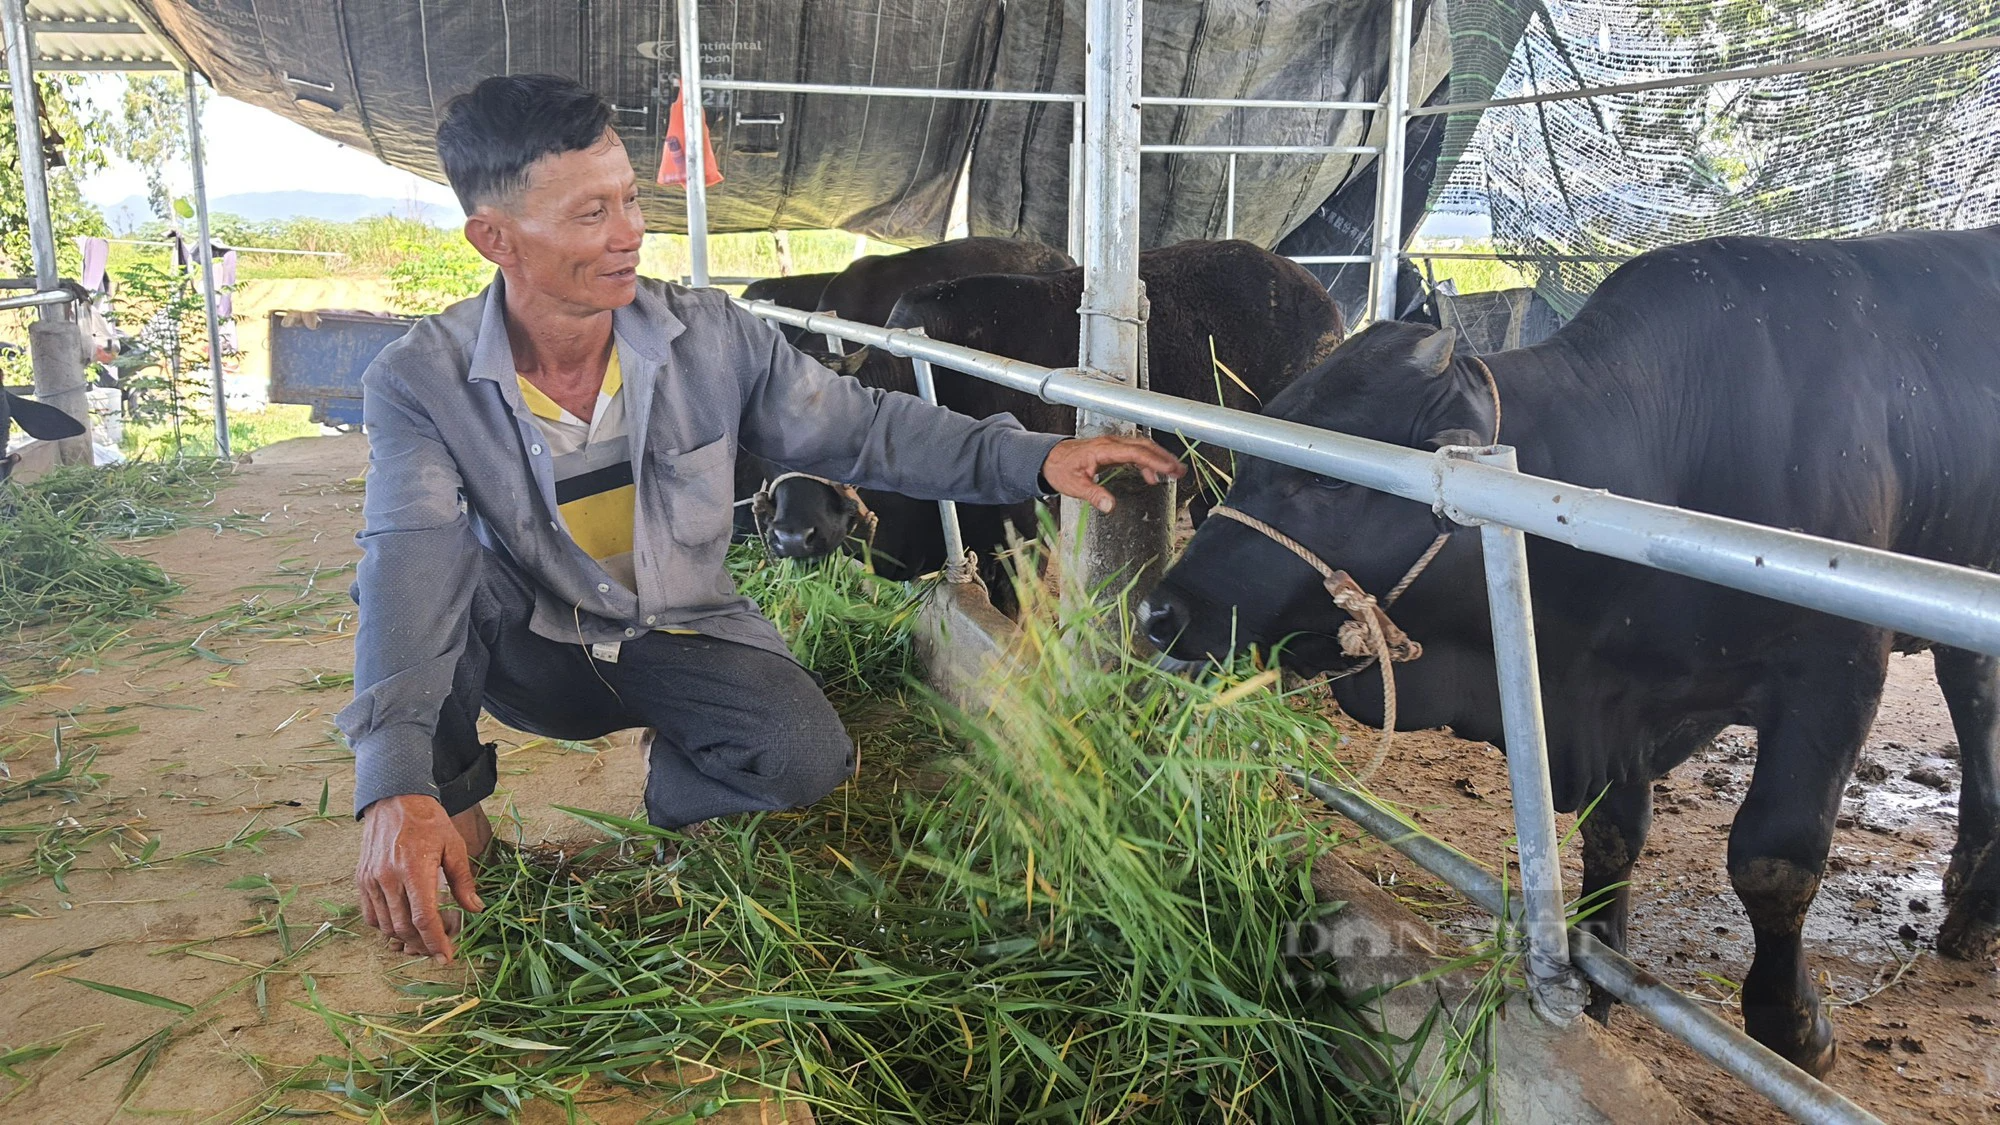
(868, 289)
(1264, 318)
(39, 419)
(1847, 388)
(800, 291)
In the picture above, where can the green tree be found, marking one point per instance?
(162, 371)
(74, 142)
(434, 272)
(151, 131)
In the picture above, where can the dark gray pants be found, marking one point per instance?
(736, 728)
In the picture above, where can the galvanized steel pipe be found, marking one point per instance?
(28, 138)
(694, 135)
(207, 253)
(1389, 165)
(1947, 604)
(1554, 989)
(1265, 150)
(1760, 1068)
(30, 300)
(955, 567)
(887, 91)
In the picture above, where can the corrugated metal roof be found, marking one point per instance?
(98, 35)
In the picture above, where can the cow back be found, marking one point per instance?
(867, 290)
(1847, 388)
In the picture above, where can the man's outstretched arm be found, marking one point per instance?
(418, 568)
(805, 417)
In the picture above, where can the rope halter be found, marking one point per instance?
(764, 505)
(1370, 636)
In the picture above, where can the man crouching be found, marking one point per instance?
(551, 471)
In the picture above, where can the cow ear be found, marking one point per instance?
(1433, 354)
(851, 363)
(41, 420)
(1454, 437)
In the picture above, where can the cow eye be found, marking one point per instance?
(1329, 484)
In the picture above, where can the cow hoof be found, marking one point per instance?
(1815, 1053)
(1818, 1053)
(1955, 877)
(1968, 939)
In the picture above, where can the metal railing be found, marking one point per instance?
(36, 299)
(1948, 604)
(1383, 255)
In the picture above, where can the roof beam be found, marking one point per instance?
(81, 66)
(87, 27)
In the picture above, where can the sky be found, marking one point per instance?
(252, 149)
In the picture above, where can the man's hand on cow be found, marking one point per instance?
(406, 843)
(1073, 465)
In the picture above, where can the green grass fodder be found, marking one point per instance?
(1085, 919)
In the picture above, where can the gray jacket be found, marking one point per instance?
(457, 466)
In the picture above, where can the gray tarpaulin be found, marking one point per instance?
(376, 73)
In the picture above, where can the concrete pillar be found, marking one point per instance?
(55, 347)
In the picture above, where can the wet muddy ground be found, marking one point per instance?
(1919, 1035)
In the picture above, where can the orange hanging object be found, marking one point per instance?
(673, 154)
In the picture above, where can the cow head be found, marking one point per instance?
(805, 517)
(1235, 587)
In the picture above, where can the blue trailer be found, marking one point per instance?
(317, 358)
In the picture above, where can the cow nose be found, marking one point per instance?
(789, 543)
(1162, 617)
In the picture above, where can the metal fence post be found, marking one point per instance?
(1555, 989)
(958, 568)
(1229, 203)
(54, 349)
(1389, 166)
(1073, 241)
(1105, 552)
(28, 135)
(694, 133)
(207, 254)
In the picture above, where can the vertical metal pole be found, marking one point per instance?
(28, 135)
(1074, 242)
(693, 129)
(54, 349)
(1389, 167)
(957, 568)
(1106, 552)
(1229, 203)
(207, 255)
(1555, 988)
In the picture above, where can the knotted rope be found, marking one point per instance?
(1371, 636)
(764, 505)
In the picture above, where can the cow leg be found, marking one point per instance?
(1821, 706)
(1614, 833)
(1971, 685)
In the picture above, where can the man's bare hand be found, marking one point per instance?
(406, 843)
(1073, 466)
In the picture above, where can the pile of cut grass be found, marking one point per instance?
(62, 590)
(1078, 911)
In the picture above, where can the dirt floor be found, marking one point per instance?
(225, 733)
(221, 748)
(1919, 1035)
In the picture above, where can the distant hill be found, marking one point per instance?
(258, 206)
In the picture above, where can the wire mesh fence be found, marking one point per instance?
(1901, 143)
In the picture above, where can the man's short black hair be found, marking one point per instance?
(490, 136)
